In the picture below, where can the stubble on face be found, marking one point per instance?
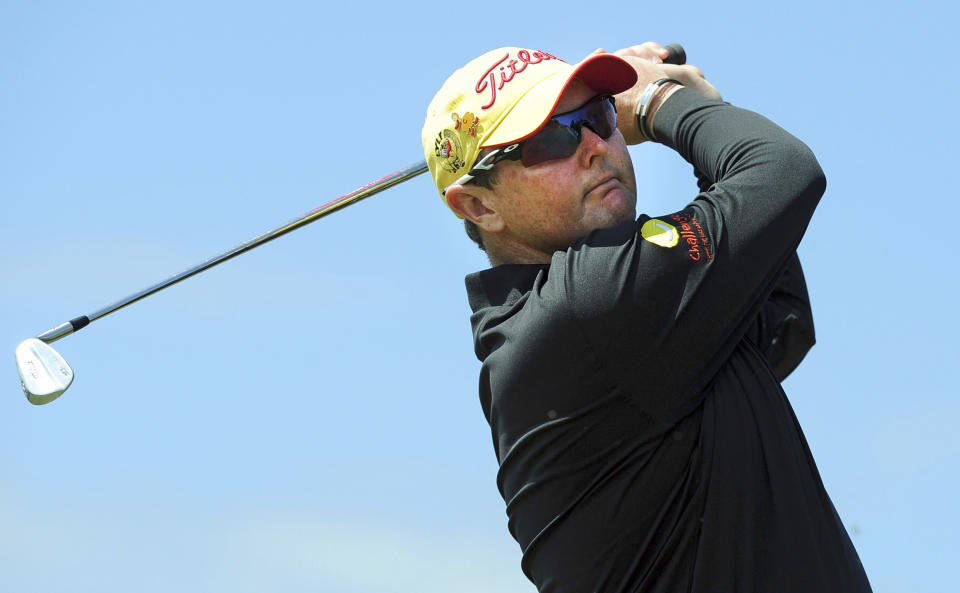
(548, 206)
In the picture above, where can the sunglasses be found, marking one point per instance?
(558, 139)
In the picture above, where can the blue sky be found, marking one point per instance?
(305, 417)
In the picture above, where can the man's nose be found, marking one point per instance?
(591, 146)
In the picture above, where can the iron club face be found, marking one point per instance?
(44, 374)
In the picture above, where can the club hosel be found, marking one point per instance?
(64, 329)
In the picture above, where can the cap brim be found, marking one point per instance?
(604, 73)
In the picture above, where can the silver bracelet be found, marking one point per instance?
(644, 105)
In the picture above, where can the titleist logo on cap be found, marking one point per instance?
(507, 71)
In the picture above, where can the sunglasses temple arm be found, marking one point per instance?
(484, 164)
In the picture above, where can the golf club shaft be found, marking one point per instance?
(676, 55)
(74, 325)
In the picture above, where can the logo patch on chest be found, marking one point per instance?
(660, 233)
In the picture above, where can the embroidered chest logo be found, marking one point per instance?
(682, 228)
(660, 233)
(694, 236)
(453, 144)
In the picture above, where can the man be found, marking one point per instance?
(631, 365)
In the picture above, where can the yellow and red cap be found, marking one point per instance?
(503, 97)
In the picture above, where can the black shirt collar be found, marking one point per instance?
(502, 284)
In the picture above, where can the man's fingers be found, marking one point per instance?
(650, 51)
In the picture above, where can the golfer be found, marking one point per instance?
(631, 365)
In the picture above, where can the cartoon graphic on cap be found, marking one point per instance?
(660, 233)
(452, 145)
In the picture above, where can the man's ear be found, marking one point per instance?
(476, 204)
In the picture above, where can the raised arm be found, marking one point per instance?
(690, 284)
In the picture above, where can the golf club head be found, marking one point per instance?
(44, 374)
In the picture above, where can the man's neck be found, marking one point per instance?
(513, 253)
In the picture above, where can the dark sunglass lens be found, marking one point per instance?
(601, 117)
(554, 141)
(561, 136)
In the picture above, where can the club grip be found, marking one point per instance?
(675, 54)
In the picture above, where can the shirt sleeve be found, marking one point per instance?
(664, 300)
(783, 331)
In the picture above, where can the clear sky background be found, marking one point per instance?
(305, 417)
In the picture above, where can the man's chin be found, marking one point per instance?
(618, 206)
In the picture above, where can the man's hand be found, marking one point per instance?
(647, 59)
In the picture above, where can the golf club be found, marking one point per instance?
(45, 375)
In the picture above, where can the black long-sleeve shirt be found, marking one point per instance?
(632, 384)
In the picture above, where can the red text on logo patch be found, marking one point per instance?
(692, 233)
